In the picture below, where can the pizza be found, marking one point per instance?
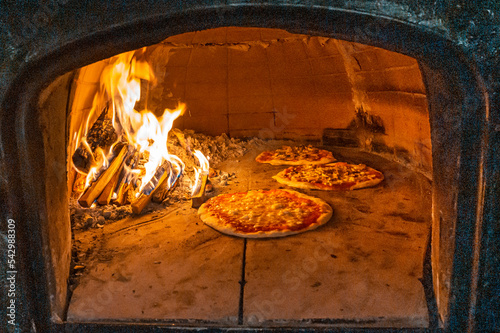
(333, 176)
(295, 156)
(264, 213)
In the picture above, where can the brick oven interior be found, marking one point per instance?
(251, 89)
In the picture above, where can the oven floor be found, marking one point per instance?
(363, 268)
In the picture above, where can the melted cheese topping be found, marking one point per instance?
(308, 153)
(330, 174)
(256, 211)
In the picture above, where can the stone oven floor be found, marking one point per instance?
(363, 268)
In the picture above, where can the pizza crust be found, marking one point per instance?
(291, 183)
(367, 183)
(358, 184)
(323, 160)
(273, 156)
(209, 217)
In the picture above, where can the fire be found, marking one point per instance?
(199, 172)
(99, 163)
(145, 133)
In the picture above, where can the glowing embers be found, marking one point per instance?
(123, 157)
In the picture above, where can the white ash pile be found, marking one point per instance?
(182, 144)
(218, 149)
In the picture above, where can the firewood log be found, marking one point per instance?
(101, 134)
(107, 193)
(144, 198)
(121, 194)
(96, 188)
(198, 198)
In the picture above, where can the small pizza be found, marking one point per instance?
(264, 213)
(295, 156)
(333, 176)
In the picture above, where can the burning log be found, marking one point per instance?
(141, 202)
(199, 197)
(107, 193)
(201, 174)
(79, 184)
(123, 185)
(122, 194)
(93, 191)
(162, 174)
(101, 134)
(164, 191)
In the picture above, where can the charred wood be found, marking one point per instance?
(102, 134)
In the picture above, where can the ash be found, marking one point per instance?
(218, 149)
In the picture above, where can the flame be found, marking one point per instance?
(147, 134)
(100, 163)
(199, 172)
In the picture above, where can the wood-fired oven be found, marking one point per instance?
(385, 84)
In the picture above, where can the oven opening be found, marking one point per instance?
(149, 135)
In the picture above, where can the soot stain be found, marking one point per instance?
(316, 284)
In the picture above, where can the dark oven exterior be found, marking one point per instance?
(456, 44)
